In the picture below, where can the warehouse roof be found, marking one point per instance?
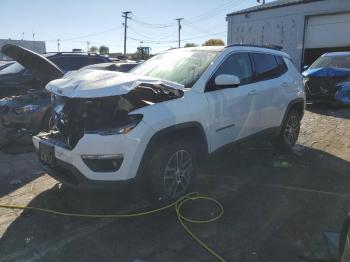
(274, 4)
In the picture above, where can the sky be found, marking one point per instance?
(76, 22)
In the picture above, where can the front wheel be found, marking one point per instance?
(171, 169)
(290, 130)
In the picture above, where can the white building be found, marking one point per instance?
(36, 46)
(304, 28)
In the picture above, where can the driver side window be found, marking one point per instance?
(237, 64)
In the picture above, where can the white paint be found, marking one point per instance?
(226, 115)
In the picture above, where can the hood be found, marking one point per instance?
(96, 83)
(42, 68)
(327, 72)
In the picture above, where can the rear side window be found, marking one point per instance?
(281, 65)
(266, 66)
(238, 65)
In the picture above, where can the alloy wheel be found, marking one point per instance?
(292, 129)
(177, 174)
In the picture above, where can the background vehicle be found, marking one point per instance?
(5, 64)
(328, 79)
(28, 110)
(17, 79)
(157, 121)
(116, 66)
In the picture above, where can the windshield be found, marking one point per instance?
(181, 66)
(12, 69)
(332, 61)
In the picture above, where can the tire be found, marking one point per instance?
(46, 123)
(290, 130)
(171, 171)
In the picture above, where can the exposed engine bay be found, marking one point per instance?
(74, 117)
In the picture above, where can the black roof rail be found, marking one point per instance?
(269, 46)
(62, 53)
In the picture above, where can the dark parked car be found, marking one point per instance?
(18, 78)
(5, 64)
(328, 79)
(26, 110)
(117, 66)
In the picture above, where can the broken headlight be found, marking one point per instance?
(26, 109)
(129, 124)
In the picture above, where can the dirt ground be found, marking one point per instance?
(278, 206)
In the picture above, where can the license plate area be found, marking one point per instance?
(47, 154)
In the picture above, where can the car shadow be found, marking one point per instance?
(18, 168)
(277, 207)
(330, 110)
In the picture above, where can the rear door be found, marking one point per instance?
(270, 79)
(232, 111)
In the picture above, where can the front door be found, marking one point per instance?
(232, 111)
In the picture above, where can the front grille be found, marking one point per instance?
(55, 138)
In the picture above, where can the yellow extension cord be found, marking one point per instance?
(177, 205)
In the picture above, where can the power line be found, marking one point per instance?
(92, 34)
(153, 25)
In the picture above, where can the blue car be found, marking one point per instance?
(328, 79)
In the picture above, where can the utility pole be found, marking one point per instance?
(126, 16)
(179, 24)
(87, 46)
(58, 45)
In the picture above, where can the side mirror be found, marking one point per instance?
(344, 244)
(227, 80)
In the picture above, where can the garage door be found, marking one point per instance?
(328, 31)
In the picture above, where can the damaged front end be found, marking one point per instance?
(22, 116)
(109, 115)
(324, 84)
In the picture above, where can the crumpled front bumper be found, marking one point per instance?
(130, 146)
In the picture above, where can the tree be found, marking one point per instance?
(104, 50)
(93, 49)
(213, 41)
(190, 45)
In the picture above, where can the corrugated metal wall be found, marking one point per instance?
(283, 26)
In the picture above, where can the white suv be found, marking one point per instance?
(158, 121)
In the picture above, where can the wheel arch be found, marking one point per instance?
(298, 104)
(191, 131)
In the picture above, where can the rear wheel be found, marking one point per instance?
(171, 170)
(290, 130)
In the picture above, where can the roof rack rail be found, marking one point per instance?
(60, 53)
(269, 46)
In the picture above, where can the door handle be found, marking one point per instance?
(252, 92)
(285, 84)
